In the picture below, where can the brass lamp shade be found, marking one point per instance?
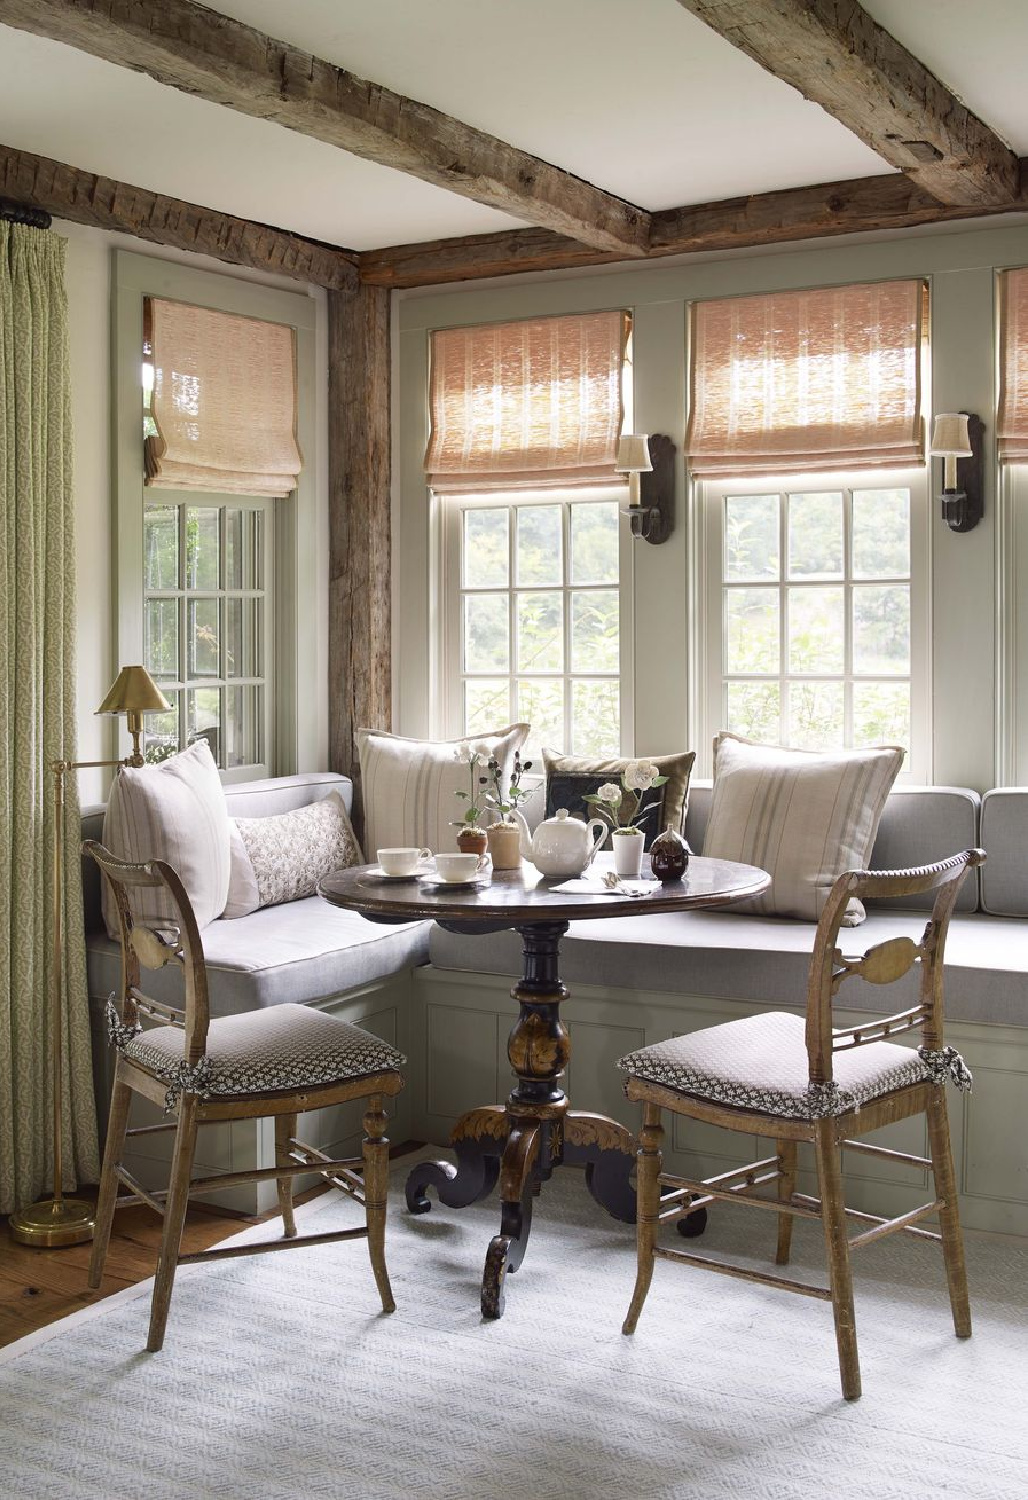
(134, 691)
(134, 694)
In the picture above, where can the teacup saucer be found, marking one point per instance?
(377, 876)
(433, 882)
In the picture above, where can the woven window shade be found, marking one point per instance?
(824, 379)
(1012, 420)
(224, 402)
(526, 404)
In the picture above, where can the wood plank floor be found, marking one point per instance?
(37, 1287)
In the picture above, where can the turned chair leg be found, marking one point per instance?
(647, 1214)
(949, 1217)
(174, 1219)
(121, 1101)
(375, 1149)
(786, 1188)
(833, 1219)
(285, 1130)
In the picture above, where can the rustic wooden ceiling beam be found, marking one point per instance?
(85, 198)
(832, 208)
(202, 52)
(836, 54)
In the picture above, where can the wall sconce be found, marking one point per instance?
(957, 440)
(649, 463)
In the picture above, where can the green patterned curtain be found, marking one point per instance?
(37, 725)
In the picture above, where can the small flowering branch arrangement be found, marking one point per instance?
(620, 805)
(506, 803)
(472, 756)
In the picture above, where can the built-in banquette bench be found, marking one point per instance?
(306, 951)
(444, 999)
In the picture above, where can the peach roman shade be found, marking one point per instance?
(821, 379)
(224, 402)
(1012, 421)
(526, 404)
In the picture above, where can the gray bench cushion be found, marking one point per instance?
(920, 824)
(302, 951)
(765, 959)
(1005, 836)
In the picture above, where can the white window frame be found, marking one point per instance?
(448, 675)
(710, 494)
(261, 645)
(292, 532)
(1012, 643)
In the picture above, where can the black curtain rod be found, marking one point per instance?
(24, 213)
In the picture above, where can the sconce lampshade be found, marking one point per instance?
(134, 691)
(950, 435)
(633, 454)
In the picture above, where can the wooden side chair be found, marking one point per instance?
(772, 1075)
(276, 1062)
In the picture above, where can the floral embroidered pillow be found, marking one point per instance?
(283, 858)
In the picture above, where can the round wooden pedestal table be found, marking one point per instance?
(522, 1141)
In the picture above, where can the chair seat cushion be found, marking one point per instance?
(266, 1051)
(760, 1063)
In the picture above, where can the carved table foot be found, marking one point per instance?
(607, 1151)
(477, 1142)
(520, 1177)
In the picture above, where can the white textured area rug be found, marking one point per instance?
(281, 1378)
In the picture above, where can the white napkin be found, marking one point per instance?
(591, 884)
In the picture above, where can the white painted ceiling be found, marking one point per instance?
(636, 96)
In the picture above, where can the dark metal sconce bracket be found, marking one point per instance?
(962, 508)
(654, 518)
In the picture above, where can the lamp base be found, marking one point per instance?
(69, 1222)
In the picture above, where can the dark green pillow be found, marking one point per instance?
(570, 778)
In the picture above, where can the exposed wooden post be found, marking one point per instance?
(359, 598)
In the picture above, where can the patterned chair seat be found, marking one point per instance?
(760, 1063)
(287, 1047)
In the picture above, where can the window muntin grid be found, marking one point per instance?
(536, 628)
(206, 625)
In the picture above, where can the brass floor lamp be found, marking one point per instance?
(60, 1220)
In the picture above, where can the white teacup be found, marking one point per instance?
(454, 867)
(401, 861)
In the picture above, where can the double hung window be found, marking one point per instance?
(815, 630)
(533, 629)
(207, 622)
(525, 423)
(806, 436)
(215, 508)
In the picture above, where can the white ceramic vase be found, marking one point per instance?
(628, 851)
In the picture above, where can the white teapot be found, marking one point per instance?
(562, 845)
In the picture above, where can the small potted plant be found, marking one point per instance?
(621, 808)
(504, 837)
(471, 838)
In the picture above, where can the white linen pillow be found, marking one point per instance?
(804, 816)
(410, 786)
(282, 858)
(174, 811)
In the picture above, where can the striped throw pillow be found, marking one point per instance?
(174, 811)
(410, 786)
(804, 817)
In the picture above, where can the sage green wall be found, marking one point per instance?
(961, 266)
